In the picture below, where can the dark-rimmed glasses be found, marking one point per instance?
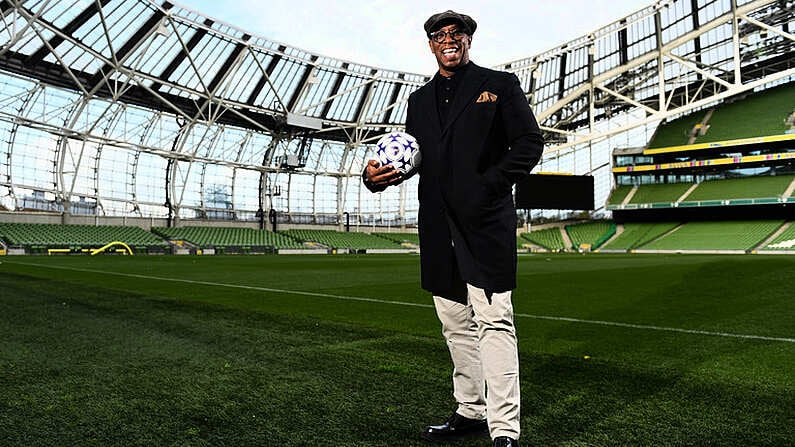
(439, 36)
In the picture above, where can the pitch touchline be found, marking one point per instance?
(403, 303)
(659, 328)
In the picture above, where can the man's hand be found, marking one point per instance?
(382, 176)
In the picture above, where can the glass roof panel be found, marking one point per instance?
(242, 80)
(344, 106)
(32, 40)
(58, 13)
(203, 63)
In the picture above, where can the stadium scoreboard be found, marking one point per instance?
(556, 192)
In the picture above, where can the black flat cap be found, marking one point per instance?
(448, 17)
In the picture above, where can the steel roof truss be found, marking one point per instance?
(665, 49)
(266, 79)
(772, 29)
(120, 56)
(303, 84)
(78, 21)
(692, 65)
(27, 16)
(332, 94)
(78, 84)
(331, 98)
(228, 67)
(367, 97)
(387, 110)
(172, 66)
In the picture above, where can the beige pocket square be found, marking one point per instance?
(487, 97)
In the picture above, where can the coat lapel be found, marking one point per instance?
(467, 92)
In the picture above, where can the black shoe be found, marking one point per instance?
(456, 428)
(504, 441)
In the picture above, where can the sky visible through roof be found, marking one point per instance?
(389, 34)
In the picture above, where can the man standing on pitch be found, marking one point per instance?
(478, 137)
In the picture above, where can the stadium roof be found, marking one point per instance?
(164, 56)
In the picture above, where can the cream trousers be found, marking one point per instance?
(482, 340)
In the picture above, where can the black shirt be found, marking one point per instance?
(445, 91)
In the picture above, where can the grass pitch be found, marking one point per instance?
(346, 351)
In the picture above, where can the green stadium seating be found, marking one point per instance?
(224, 237)
(401, 238)
(740, 235)
(732, 235)
(637, 234)
(759, 114)
(549, 238)
(337, 240)
(742, 188)
(676, 132)
(784, 241)
(76, 237)
(618, 195)
(591, 233)
(658, 193)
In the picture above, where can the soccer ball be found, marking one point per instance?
(400, 150)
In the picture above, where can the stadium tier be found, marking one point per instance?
(590, 235)
(676, 132)
(721, 235)
(223, 238)
(772, 187)
(401, 238)
(338, 240)
(784, 241)
(737, 235)
(753, 190)
(759, 114)
(549, 238)
(41, 237)
(732, 160)
(634, 235)
(618, 195)
(659, 193)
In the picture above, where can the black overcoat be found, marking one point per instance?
(467, 219)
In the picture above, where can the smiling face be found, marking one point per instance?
(450, 53)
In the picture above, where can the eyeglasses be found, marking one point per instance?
(440, 36)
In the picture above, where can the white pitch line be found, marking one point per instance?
(403, 303)
(659, 328)
(232, 286)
